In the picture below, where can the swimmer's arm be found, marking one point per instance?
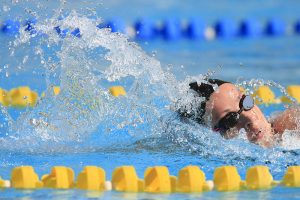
(287, 120)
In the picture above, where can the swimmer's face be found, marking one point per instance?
(226, 99)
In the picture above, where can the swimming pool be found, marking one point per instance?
(86, 126)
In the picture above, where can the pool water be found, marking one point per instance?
(84, 125)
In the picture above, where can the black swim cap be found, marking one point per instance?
(203, 90)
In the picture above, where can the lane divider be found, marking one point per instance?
(24, 177)
(60, 177)
(23, 97)
(117, 91)
(20, 97)
(91, 178)
(264, 95)
(190, 179)
(125, 179)
(172, 29)
(293, 91)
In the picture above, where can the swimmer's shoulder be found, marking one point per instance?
(286, 120)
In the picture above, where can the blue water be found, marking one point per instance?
(139, 130)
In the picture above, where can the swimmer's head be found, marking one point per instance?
(223, 104)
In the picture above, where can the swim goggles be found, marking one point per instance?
(232, 118)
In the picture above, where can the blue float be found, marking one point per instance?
(76, 32)
(171, 29)
(29, 26)
(297, 27)
(11, 27)
(145, 29)
(275, 27)
(61, 33)
(250, 28)
(116, 25)
(195, 29)
(226, 28)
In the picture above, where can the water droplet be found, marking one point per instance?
(25, 59)
(6, 8)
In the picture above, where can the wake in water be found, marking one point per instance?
(85, 117)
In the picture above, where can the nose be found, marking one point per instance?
(257, 127)
(252, 126)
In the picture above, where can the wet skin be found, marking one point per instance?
(258, 129)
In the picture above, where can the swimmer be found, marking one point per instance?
(227, 110)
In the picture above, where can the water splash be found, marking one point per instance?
(84, 117)
(82, 65)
